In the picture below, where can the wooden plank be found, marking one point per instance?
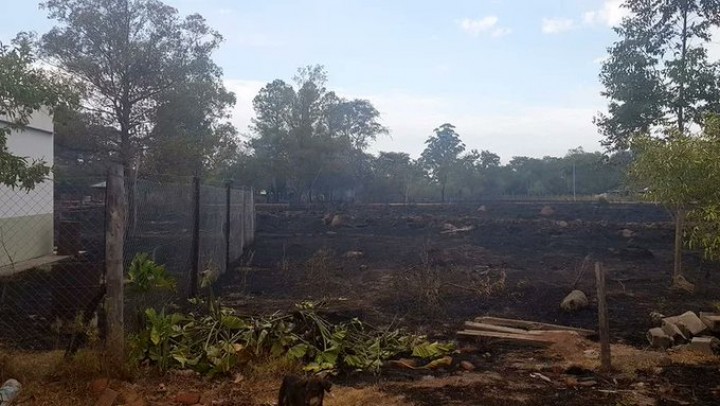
(604, 326)
(491, 327)
(531, 325)
(526, 338)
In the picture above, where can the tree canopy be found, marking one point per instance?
(25, 89)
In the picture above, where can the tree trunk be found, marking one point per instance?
(679, 228)
(442, 193)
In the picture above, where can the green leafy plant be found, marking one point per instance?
(145, 275)
(216, 340)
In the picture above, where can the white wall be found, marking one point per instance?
(35, 142)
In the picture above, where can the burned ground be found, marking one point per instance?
(429, 268)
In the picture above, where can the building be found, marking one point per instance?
(26, 217)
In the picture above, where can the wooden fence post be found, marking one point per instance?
(604, 325)
(195, 256)
(116, 212)
(228, 200)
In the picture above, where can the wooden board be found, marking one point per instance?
(525, 338)
(531, 325)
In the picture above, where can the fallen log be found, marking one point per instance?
(532, 325)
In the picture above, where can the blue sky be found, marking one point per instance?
(517, 77)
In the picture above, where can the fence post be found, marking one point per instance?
(195, 259)
(116, 212)
(228, 192)
(604, 325)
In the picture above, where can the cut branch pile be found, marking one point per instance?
(530, 332)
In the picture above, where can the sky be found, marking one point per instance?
(516, 77)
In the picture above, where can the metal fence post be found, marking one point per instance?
(195, 258)
(228, 193)
(116, 209)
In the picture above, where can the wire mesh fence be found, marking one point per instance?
(53, 243)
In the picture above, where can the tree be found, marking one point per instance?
(309, 139)
(682, 173)
(25, 89)
(658, 73)
(128, 53)
(441, 154)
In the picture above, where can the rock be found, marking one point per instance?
(337, 221)
(482, 209)
(443, 362)
(328, 218)
(331, 233)
(467, 365)
(547, 211)
(353, 254)
(627, 233)
(689, 323)
(98, 386)
(672, 330)
(402, 363)
(576, 300)
(705, 345)
(711, 320)
(656, 317)
(682, 285)
(658, 339)
(562, 224)
(107, 398)
(187, 398)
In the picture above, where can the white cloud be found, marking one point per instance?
(485, 25)
(557, 25)
(611, 14)
(504, 127)
(713, 47)
(245, 91)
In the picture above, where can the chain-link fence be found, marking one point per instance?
(53, 244)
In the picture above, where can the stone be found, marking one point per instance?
(353, 254)
(711, 320)
(187, 398)
(337, 221)
(482, 209)
(627, 233)
(658, 339)
(682, 285)
(574, 301)
(562, 224)
(99, 385)
(107, 398)
(467, 365)
(705, 345)
(547, 211)
(689, 323)
(672, 330)
(656, 317)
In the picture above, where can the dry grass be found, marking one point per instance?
(342, 396)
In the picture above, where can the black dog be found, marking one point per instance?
(297, 391)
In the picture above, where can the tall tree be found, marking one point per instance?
(309, 138)
(658, 73)
(128, 52)
(25, 89)
(441, 154)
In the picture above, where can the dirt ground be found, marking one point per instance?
(428, 269)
